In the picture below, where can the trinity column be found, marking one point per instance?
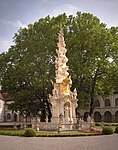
(64, 102)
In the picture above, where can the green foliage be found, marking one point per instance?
(114, 124)
(116, 129)
(11, 132)
(29, 133)
(48, 134)
(67, 135)
(97, 124)
(107, 130)
(106, 124)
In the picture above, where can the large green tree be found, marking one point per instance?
(29, 64)
(30, 67)
(92, 52)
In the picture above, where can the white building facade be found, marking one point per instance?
(105, 110)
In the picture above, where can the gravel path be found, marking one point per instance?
(109, 142)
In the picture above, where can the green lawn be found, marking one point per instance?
(64, 133)
(112, 125)
(46, 133)
(11, 132)
(52, 133)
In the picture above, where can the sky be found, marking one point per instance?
(19, 13)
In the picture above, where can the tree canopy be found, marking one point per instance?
(28, 66)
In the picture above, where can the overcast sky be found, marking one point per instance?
(19, 13)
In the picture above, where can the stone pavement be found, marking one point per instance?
(109, 142)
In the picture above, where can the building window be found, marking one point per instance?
(15, 117)
(96, 103)
(86, 114)
(97, 116)
(8, 116)
(107, 116)
(116, 116)
(116, 102)
(107, 102)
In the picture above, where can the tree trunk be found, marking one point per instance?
(92, 94)
(91, 107)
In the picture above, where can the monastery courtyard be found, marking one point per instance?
(109, 142)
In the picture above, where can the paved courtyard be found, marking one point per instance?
(109, 142)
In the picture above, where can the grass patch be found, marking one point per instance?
(66, 134)
(12, 132)
(113, 126)
(49, 133)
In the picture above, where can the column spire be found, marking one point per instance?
(61, 59)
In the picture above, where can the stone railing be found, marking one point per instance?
(44, 126)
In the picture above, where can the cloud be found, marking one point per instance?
(69, 9)
(109, 2)
(20, 24)
(45, 1)
(16, 23)
(4, 45)
(3, 4)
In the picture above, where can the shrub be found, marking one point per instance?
(116, 129)
(114, 124)
(107, 130)
(29, 133)
(106, 124)
(97, 124)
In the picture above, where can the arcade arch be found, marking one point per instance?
(97, 116)
(116, 102)
(15, 117)
(8, 116)
(86, 114)
(107, 116)
(107, 102)
(116, 116)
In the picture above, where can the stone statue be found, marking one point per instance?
(61, 60)
(75, 93)
(55, 94)
(50, 96)
(61, 117)
(90, 119)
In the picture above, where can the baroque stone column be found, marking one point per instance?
(62, 99)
